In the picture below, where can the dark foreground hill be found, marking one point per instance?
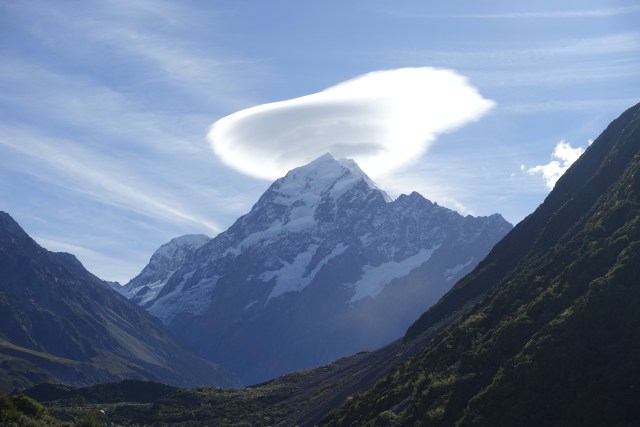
(552, 332)
(301, 398)
(544, 332)
(58, 322)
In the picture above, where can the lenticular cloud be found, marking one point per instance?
(383, 120)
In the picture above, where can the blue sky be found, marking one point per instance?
(106, 105)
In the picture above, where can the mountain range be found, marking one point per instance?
(544, 331)
(60, 323)
(324, 265)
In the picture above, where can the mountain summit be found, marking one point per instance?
(324, 265)
(323, 176)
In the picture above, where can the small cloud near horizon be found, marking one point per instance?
(383, 120)
(563, 156)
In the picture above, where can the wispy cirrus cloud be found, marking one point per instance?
(106, 105)
(602, 45)
(74, 168)
(143, 49)
(546, 14)
(111, 133)
(137, 99)
(578, 60)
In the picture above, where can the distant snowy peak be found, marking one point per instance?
(163, 263)
(176, 248)
(325, 176)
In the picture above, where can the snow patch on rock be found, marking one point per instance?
(294, 276)
(374, 279)
(194, 300)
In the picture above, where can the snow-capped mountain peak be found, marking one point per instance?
(176, 247)
(324, 265)
(163, 263)
(302, 198)
(323, 176)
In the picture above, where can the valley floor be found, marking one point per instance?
(301, 398)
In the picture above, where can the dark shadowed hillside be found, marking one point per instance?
(58, 322)
(552, 332)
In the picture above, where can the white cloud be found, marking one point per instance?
(562, 158)
(383, 120)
